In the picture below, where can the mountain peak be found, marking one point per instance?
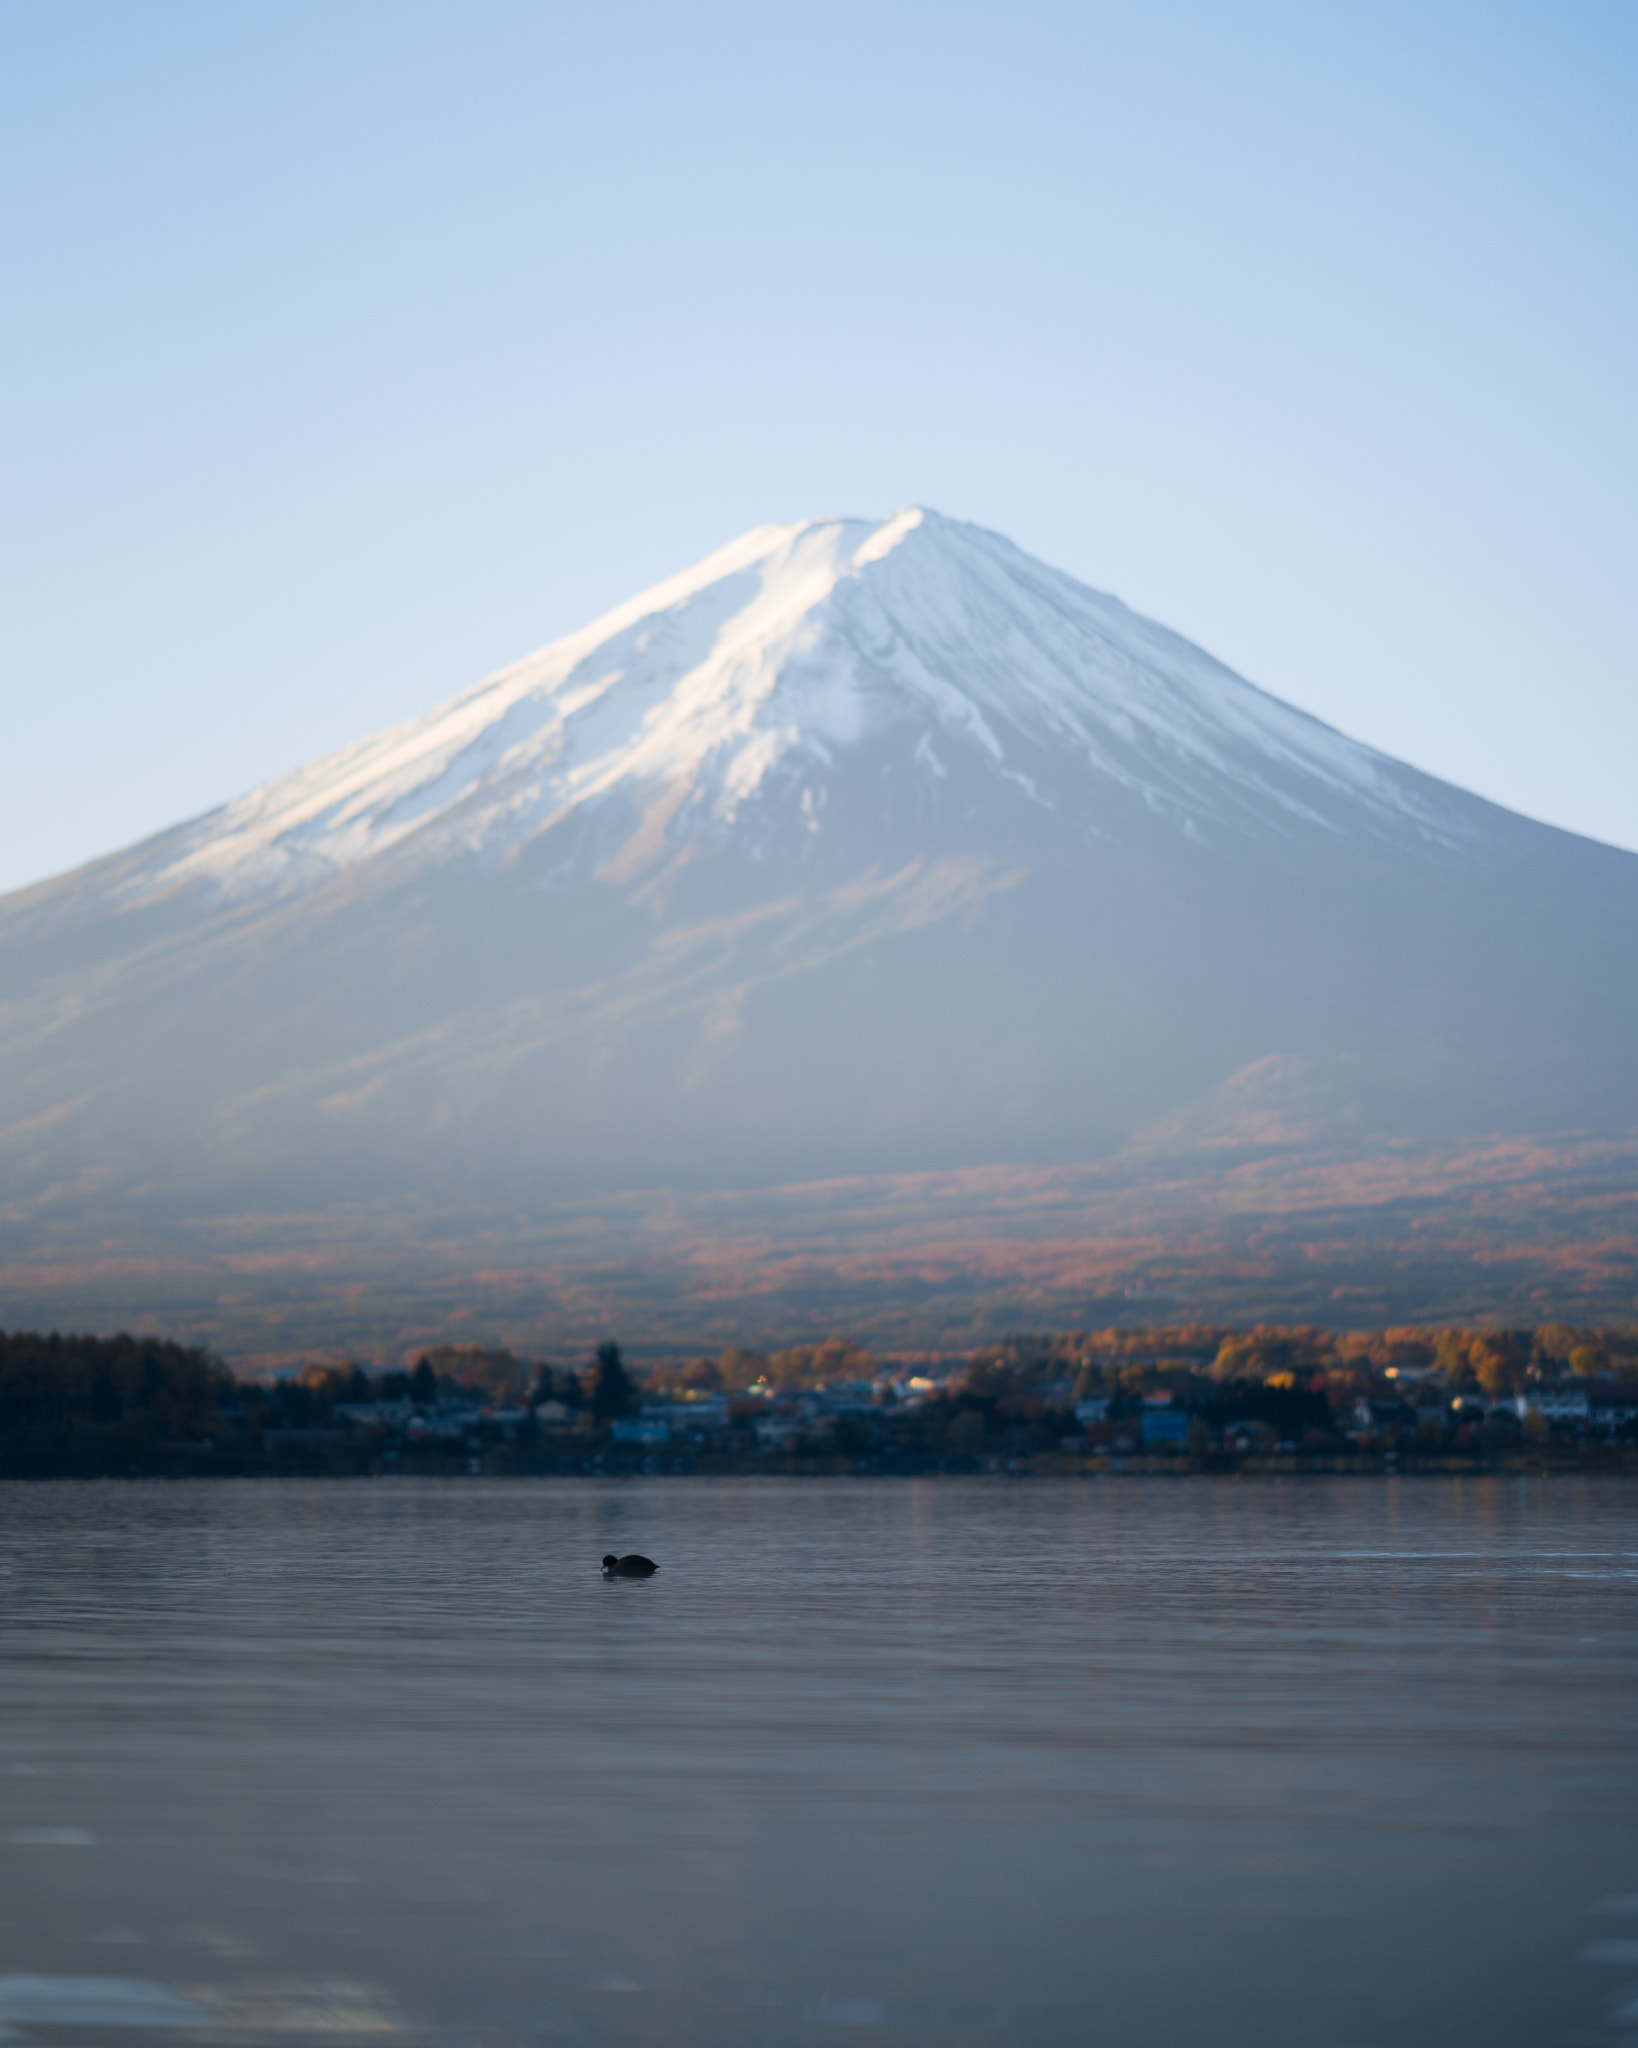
(771, 668)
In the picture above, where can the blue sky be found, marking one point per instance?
(354, 349)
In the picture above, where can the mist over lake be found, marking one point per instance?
(1242, 1762)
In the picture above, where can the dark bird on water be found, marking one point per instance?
(632, 1566)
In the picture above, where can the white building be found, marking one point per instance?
(1554, 1404)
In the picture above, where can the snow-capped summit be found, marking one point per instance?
(862, 846)
(747, 681)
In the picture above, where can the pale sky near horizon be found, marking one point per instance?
(354, 349)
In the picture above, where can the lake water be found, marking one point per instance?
(1333, 1764)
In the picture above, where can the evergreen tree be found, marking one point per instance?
(609, 1389)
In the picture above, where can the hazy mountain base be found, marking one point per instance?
(1236, 1225)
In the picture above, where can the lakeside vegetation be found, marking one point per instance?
(1174, 1397)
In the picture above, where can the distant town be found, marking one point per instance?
(1174, 1399)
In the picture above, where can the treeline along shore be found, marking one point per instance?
(1176, 1399)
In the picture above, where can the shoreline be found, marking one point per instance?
(1616, 1461)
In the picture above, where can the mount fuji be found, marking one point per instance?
(861, 848)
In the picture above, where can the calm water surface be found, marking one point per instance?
(1334, 1764)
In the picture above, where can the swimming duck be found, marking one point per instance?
(631, 1566)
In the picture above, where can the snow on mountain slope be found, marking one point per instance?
(857, 848)
(774, 657)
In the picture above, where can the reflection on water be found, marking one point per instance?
(1331, 1764)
